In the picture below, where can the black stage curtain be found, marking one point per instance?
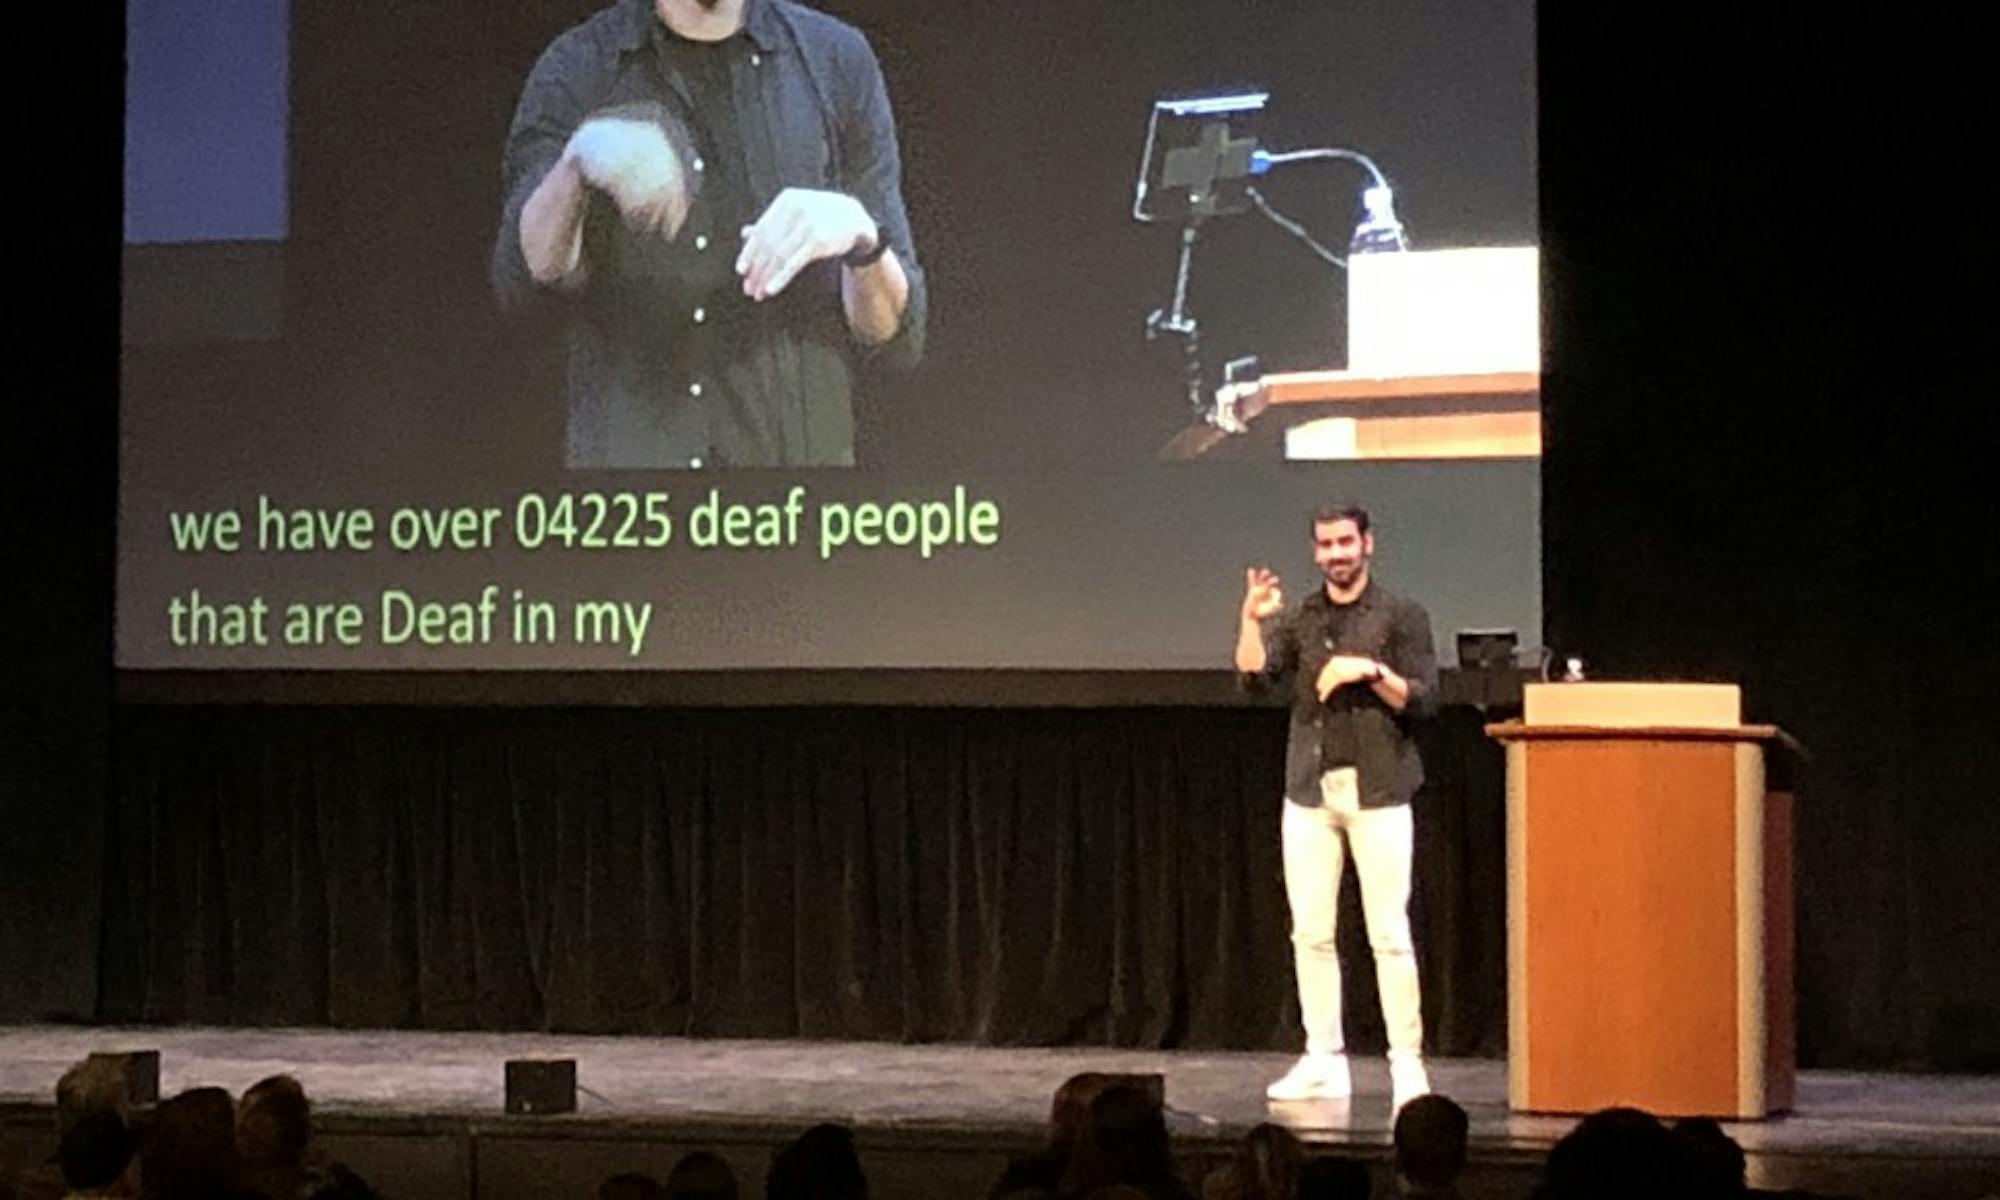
(1009, 877)
(1769, 456)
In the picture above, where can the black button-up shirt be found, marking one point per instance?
(1352, 727)
(668, 365)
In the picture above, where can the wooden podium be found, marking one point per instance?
(1649, 904)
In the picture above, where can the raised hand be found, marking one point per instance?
(632, 162)
(1341, 670)
(801, 227)
(1262, 595)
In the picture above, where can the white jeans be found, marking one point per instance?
(1316, 843)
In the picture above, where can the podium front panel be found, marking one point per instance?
(1638, 890)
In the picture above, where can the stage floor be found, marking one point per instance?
(1852, 1133)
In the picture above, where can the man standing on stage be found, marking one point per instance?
(1360, 665)
(712, 191)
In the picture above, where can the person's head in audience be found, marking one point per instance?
(820, 1165)
(96, 1153)
(1616, 1154)
(1714, 1163)
(631, 1185)
(1069, 1109)
(1124, 1141)
(1430, 1146)
(273, 1134)
(93, 1085)
(701, 1176)
(1330, 1177)
(1041, 1172)
(1265, 1167)
(190, 1152)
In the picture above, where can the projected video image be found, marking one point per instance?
(846, 335)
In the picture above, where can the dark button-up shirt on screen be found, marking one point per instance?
(668, 364)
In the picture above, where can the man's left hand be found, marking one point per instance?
(1343, 669)
(800, 228)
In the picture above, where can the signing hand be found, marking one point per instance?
(1262, 595)
(632, 162)
(1343, 669)
(800, 228)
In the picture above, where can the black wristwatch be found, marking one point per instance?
(870, 256)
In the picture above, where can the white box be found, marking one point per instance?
(1468, 311)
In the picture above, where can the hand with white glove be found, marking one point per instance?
(801, 227)
(632, 162)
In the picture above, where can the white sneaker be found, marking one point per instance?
(1314, 1077)
(1407, 1081)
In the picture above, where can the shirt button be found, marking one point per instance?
(701, 241)
(700, 315)
(695, 462)
(700, 165)
(756, 60)
(694, 389)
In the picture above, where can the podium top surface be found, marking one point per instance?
(1522, 731)
(1634, 705)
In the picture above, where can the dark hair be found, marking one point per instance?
(1069, 1110)
(820, 1165)
(1621, 1152)
(1125, 1141)
(630, 1185)
(1430, 1141)
(1267, 1164)
(1713, 1160)
(1331, 1177)
(96, 1084)
(95, 1150)
(274, 1122)
(1341, 510)
(191, 1148)
(701, 1176)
